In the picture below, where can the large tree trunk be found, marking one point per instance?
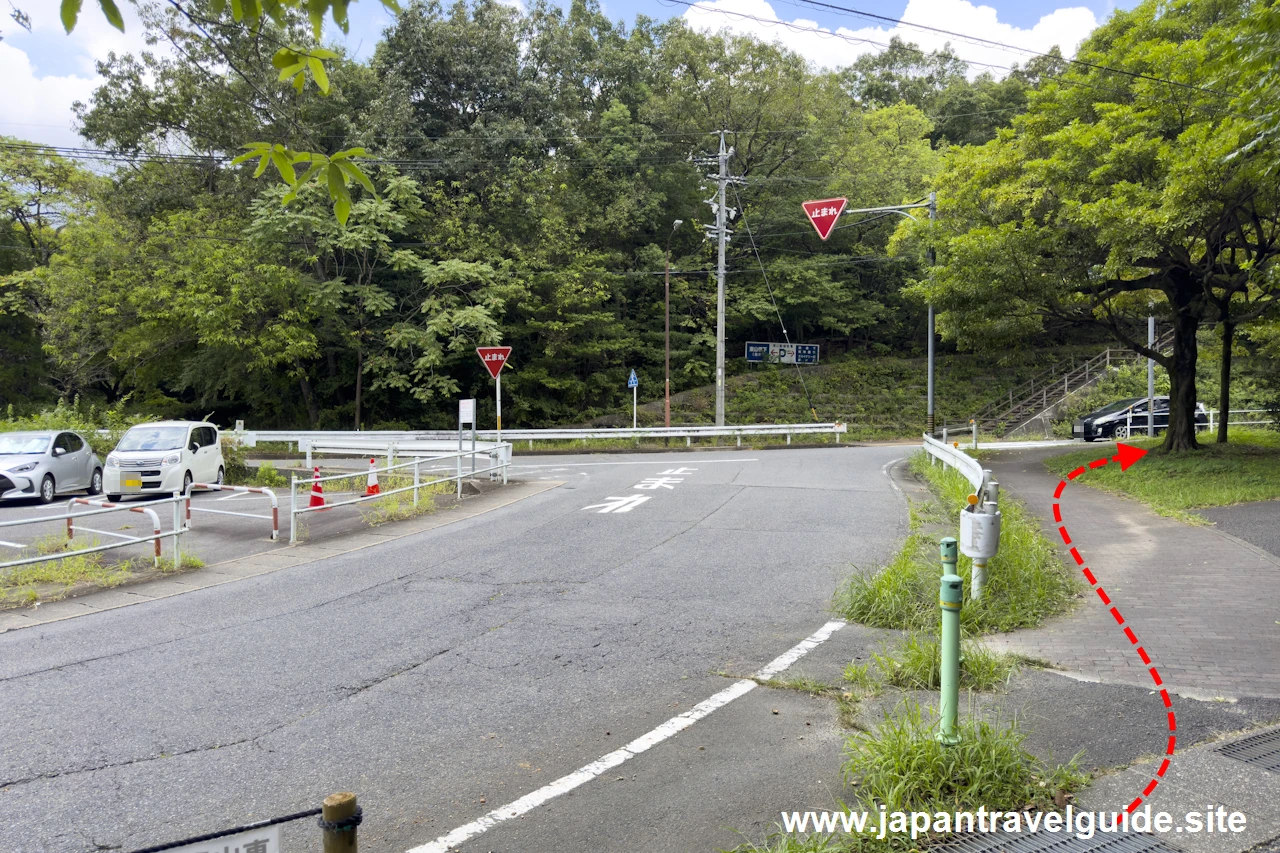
(359, 383)
(1181, 435)
(309, 397)
(1224, 379)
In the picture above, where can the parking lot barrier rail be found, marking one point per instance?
(274, 517)
(498, 455)
(100, 506)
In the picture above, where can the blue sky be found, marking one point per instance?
(45, 70)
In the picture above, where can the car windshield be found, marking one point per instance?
(18, 444)
(1118, 406)
(153, 438)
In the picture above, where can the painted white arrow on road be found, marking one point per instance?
(622, 504)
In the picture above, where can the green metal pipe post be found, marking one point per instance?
(950, 599)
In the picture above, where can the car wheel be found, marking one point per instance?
(220, 473)
(186, 482)
(48, 489)
(113, 499)
(95, 482)
(1121, 433)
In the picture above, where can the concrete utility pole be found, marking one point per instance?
(929, 419)
(720, 235)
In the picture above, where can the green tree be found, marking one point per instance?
(1116, 189)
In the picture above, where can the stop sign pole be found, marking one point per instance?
(494, 359)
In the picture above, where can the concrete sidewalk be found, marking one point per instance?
(1201, 602)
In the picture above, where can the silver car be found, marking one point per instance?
(44, 465)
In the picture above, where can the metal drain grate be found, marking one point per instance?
(1261, 750)
(1055, 842)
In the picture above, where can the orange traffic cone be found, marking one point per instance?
(317, 493)
(372, 488)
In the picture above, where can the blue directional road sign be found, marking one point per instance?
(634, 381)
(782, 353)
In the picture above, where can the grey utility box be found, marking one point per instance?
(980, 532)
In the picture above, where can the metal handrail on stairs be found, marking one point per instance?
(1050, 381)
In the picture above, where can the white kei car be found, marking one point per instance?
(162, 458)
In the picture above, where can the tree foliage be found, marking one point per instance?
(520, 174)
(1117, 190)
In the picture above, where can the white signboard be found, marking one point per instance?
(265, 840)
(466, 412)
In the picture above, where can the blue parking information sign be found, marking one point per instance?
(634, 381)
(782, 353)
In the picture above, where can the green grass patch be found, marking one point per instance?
(402, 505)
(1026, 582)
(1245, 469)
(916, 664)
(899, 764)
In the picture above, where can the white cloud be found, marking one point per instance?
(827, 48)
(45, 71)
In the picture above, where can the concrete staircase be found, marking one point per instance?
(1033, 404)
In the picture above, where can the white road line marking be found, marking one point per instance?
(622, 504)
(884, 469)
(654, 462)
(582, 775)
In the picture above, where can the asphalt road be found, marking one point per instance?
(443, 674)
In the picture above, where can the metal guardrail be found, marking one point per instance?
(980, 519)
(499, 455)
(274, 518)
(101, 507)
(947, 454)
(250, 438)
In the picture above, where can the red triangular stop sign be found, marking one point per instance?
(824, 214)
(494, 358)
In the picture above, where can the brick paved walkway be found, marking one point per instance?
(1205, 606)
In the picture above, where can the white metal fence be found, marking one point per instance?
(497, 458)
(404, 438)
(274, 517)
(74, 519)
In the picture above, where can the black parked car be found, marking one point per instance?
(1124, 418)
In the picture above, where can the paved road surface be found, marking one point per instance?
(443, 674)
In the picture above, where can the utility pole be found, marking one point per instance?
(929, 419)
(721, 235)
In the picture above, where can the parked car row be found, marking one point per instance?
(1127, 417)
(155, 458)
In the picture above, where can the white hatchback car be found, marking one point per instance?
(162, 458)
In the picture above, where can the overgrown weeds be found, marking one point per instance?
(1026, 581)
(401, 505)
(916, 664)
(899, 764)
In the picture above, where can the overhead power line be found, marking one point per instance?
(1003, 46)
(851, 39)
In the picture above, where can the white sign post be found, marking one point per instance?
(494, 359)
(633, 383)
(467, 415)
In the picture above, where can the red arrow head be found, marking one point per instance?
(1126, 455)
